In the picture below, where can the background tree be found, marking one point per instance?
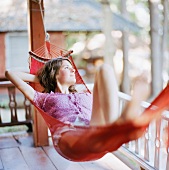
(125, 85)
(164, 42)
(156, 57)
(107, 29)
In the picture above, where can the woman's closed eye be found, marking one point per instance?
(68, 67)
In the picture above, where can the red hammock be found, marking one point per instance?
(93, 141)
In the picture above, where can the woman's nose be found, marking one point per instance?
(72, 69)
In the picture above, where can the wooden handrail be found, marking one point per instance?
(4, 84)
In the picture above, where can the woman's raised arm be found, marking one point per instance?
(20, 79)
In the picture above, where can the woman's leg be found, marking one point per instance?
(105, 96)
(141, 92)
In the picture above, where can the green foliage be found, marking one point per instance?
(13, 129)
(70, 39)
(4, 104)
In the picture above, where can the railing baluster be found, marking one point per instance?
(124, 103)
(157, 144)
(0, 116)
(146, 145)
(167, 148)
(27, 106)
(12, 104)
(137, 146)
(137, 142)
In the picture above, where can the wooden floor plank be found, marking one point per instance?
(7, 141)
(128, 161)
(18, 153)
(24, 138)
(1, 165)
(12, 159)
(112, 162)
(93, 165)
(108, 162)
(36, 158)
(60, 162)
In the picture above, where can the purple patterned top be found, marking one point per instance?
(66, 107)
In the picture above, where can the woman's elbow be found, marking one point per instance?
(7, 73)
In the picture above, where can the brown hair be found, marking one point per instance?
(47, 75)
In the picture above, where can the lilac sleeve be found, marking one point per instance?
(39, 99)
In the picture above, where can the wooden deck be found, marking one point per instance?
(18, 153)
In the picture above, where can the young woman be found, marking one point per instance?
(61, 100)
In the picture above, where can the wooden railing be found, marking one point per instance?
(152, 150)
(13, 108)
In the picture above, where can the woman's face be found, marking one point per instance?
(66, 75)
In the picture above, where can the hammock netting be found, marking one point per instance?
(87, 143)
(49, 51)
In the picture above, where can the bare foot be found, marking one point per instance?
(141, 91)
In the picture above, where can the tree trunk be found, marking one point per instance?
(107, 29)
(164, 43)
(125, 85)
(156, 58)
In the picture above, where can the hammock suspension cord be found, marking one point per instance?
(48, 50)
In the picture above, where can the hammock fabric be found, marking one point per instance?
(87, 143)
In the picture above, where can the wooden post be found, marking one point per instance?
(36, 35)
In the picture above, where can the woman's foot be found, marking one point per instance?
(141, 91)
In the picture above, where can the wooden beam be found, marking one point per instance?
(36, 35)
(35, 25)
